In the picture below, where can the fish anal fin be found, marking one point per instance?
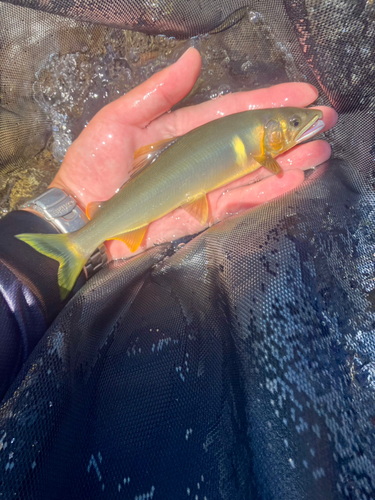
(145, 155)
(132, 239)
(93, 208)
(198, 208)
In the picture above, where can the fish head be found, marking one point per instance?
(290, 126)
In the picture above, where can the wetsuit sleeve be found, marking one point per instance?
(29, 294)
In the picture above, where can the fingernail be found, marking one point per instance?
(314, 89)
(184, 54)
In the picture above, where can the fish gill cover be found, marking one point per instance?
(238, 365)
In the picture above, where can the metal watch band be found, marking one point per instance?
(61, 210)
(95, 263)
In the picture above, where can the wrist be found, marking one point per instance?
(82, 196)
(60, 209)
(71, 191)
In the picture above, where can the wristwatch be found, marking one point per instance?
(61, 210)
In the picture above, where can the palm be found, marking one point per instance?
(100, 160)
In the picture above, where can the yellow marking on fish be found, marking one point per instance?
(259, 134)
(239, 149)
(148, 197)
(284, 126)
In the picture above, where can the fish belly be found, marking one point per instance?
(197, 163)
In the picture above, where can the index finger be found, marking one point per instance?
(156, 95)
(183, 120)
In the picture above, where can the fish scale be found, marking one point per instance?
(195, 164)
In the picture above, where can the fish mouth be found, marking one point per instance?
(313, 127)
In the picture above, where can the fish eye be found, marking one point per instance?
(295, 121)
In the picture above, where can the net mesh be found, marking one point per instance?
(240, 364)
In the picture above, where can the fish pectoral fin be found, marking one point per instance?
(132, 239)
(272, 165)
(198, 208)
(269, 163)
(93, 208)
(145, 155)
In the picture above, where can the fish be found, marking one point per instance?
(177, 173)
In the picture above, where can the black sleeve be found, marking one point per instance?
(29, 293)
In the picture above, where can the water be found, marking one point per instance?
(71, 88)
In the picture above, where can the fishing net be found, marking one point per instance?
(239, 364)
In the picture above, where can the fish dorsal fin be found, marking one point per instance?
(145, 155)
(132, 239)
(140, 164)
(198, 208)
(93, 208)
(156, 147)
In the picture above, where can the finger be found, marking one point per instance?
(302, 157)
(157, 95)
(305, 156)
(286, 94)
(245, 197)
(179, 223)
(330, 116)
(99, 158)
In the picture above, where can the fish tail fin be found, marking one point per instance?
(62, 248)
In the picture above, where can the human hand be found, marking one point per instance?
(101, 158)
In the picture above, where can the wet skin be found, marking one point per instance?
(100, 160)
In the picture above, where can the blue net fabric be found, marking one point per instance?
(185, 373)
